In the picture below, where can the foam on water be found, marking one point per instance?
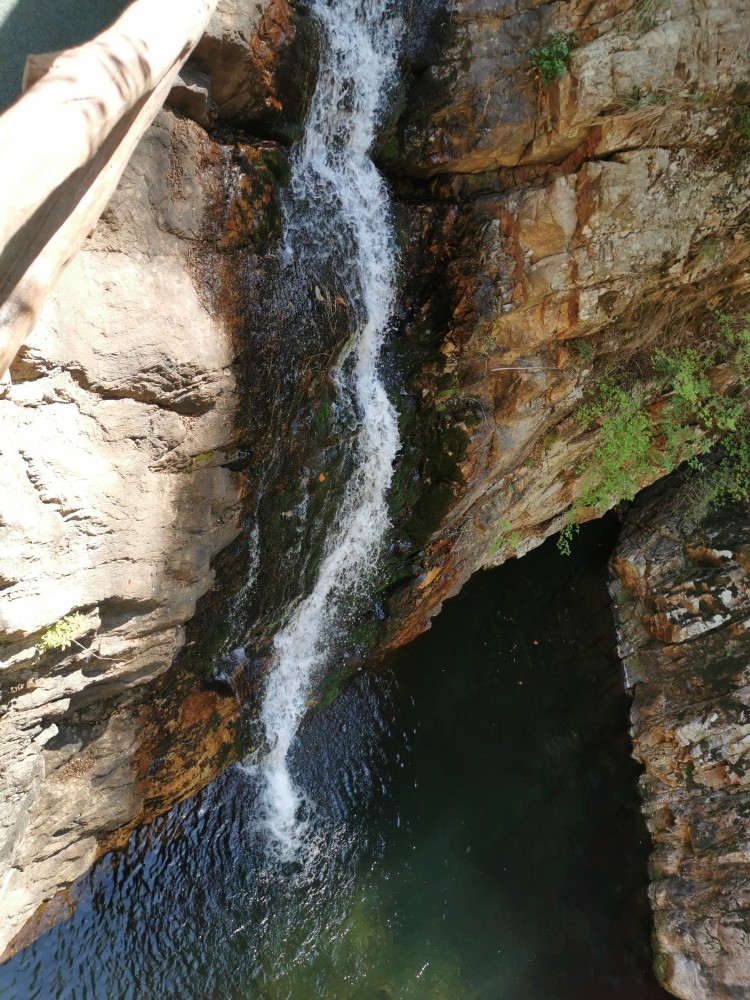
(339, 204)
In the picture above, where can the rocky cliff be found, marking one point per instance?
(120, 484)
(175, 395)
(562, 233)
(681, 600)
(117, 426)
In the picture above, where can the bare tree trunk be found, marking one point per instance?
(65, 143)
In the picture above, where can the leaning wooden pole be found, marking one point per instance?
(65, 143)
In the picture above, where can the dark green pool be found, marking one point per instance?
(476, 833)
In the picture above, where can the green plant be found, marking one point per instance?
(487, 346)
(565, 538)
(645, 15)
(730, 479)
(624, 453)
(551, 59)
(692, 398)
(506, 537)
(584, 350)
(444, 397)
(735, 336)
(637, 98)
(636, 443)
(61, 634)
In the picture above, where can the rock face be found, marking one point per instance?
(120, 477)
(682, 607)
(262, 60)
(558, 234)
(117, 423)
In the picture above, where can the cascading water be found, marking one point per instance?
(338, 207)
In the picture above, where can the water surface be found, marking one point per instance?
(475, 835)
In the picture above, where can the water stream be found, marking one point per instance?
(338, 205)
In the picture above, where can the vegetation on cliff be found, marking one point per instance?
(637, 441)
(551, 59)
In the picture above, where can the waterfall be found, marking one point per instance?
(338, 209)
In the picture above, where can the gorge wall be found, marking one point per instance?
(569, 230)
(176, 394)
(117, 426)
(681, 599)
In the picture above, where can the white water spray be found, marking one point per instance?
(333, 175)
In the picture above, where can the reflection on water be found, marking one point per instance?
(475, 834)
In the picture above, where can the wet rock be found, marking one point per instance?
(262, 61)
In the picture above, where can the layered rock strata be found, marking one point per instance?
(123, 425)
(682, 607)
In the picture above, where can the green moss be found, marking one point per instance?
(388, 152)
(392, 569)
(661, 964)
(332, 686)
(429, 512)
(506, 538)
(709, 249)
(584, 350)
